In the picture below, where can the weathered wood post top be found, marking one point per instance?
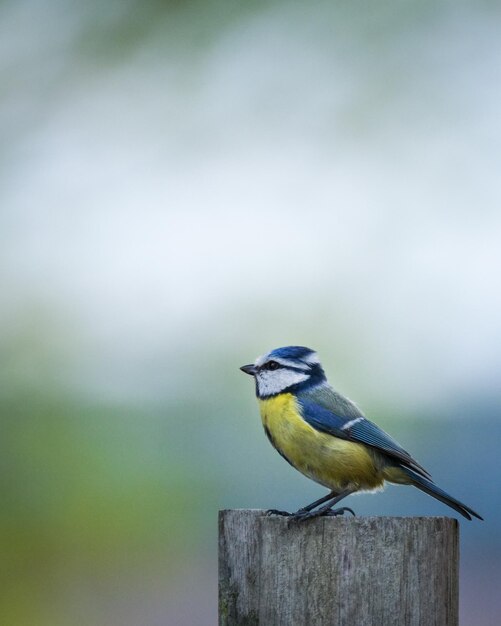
(337, 571)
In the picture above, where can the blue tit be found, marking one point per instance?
(326, 436)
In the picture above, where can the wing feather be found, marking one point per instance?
(352, 425)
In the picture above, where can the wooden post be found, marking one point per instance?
(337, 571)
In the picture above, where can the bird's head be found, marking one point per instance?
(285, 370)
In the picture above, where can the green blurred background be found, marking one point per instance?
(184, 186)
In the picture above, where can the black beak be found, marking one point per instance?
(249, 369)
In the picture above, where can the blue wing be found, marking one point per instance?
(344, 420)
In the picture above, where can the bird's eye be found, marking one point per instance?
(272, 365)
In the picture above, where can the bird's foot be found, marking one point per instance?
(302, 515)
(270, 512)
(340, 511)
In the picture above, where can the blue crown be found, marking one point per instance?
(291, 352)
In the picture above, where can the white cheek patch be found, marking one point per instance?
(271, 382)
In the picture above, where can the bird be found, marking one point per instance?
(326, 437)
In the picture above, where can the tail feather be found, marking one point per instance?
(432, 490)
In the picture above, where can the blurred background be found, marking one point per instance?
(184, 186)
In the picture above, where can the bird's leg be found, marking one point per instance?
(318, 502)
(306, 508)
(332, 498)
(327, 508)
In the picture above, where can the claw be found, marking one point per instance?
(340, 511)
(277, 512)
(301, 516)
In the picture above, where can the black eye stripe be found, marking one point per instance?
(274, 365)
(271, 365)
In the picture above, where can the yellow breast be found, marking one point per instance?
(328, 460)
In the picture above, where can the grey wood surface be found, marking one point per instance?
(382, 571)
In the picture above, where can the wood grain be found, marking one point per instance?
(378, 571)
